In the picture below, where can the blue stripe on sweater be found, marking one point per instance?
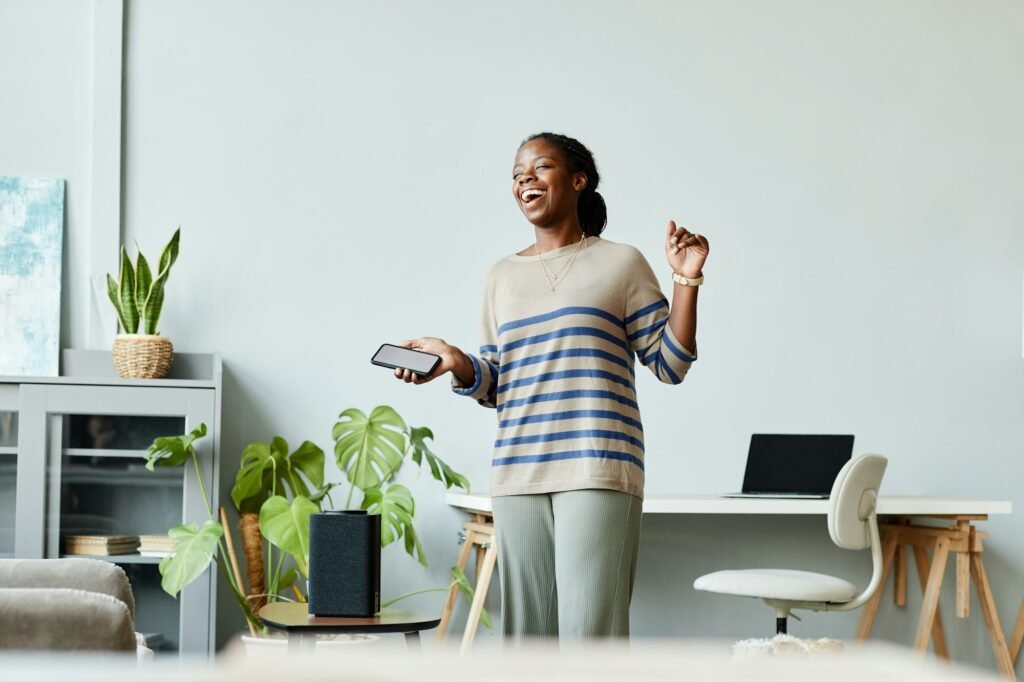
(678, 352)
(561, 333)
(647, 310)
(574, 454)
(672, 376)
(477, 378)
(569, 435)
(571, 414)
(566, 374)
(569, 395)
(561, 312)
(660, 324)
(566, 353)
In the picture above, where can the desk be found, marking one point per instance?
(956, 535)
(301, 627)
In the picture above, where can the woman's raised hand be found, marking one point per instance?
(428, 344)
(686, 251)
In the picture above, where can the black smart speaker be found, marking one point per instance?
(344, 563)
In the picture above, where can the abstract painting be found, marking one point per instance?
(31, 239)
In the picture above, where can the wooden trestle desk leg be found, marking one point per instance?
(965, 543)
(868, 611)
(1018, 634)
(479, 535)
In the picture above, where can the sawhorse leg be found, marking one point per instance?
(478, 534)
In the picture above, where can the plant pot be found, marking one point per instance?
(142, 356)
(275, 645)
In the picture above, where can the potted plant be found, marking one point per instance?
(276, 491)
(138, 297)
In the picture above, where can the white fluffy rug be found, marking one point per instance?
(784, 645)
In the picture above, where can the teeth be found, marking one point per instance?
(528, 194)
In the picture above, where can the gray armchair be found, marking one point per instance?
(66, 604)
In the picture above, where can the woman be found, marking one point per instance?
(562, 321)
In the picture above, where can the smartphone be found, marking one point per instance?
(396, 357)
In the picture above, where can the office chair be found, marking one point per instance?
(852, 523)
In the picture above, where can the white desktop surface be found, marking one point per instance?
(715, 504)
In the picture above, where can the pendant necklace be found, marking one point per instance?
(552, 277)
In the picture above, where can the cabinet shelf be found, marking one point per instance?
(135, 476)
(105, 452)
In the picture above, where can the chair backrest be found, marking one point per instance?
(853, 499)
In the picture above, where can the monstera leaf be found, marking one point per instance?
(286, 525)
(396, 508)
(267, 469)
(439, 470)
(172, 451)
(193, 551)
(369, 450)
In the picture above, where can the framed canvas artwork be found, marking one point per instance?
(31, 241)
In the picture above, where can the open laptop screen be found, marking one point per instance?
(795, 463)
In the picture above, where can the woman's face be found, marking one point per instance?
(543, 186)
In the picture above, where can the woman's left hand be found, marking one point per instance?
(686, 251)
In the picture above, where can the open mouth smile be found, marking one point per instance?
(528, 196)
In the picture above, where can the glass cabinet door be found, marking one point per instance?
(108, 501)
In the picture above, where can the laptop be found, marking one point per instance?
(797, 466)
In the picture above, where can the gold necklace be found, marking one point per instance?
(552, 277)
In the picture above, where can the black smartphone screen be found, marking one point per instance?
(396, 356)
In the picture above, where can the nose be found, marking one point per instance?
(525, 177)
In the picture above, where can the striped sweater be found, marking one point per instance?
(559, 368)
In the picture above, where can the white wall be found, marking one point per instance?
(341, 170)
(45, 126)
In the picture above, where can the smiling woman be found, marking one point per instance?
(563, 320)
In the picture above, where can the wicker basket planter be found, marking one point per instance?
(142, 356)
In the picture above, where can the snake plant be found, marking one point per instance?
(137, 295)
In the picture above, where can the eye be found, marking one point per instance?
(516, 175)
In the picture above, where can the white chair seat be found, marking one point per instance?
(773, 583)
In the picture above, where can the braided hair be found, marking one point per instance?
(590, 207)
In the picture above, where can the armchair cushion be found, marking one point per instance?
(91, 575)
(65, 604)
(64, 619)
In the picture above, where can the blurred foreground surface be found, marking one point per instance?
(387, 660)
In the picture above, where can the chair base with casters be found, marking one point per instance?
(852, 524)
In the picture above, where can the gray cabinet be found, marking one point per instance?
(72, 462)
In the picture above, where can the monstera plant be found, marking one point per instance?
(276, 491)
(138, 299)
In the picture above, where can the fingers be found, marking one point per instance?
(411, 343)
(680, 239)
(671, 229)
(410, 377)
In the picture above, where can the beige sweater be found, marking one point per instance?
(559, 368)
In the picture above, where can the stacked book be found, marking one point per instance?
(155, 545)
(100, 545)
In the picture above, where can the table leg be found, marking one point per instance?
(988, 609)
(867, 615)
(930, 603)
(1018, 634)
(412, 642)
(490, 558)
(453, 591)
(899, 591)
(938, 633)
